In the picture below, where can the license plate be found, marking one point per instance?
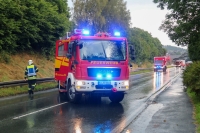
(104, 82)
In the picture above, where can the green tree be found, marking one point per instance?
(9, 24)
(102, 15)
(32, 25)
(182, 24)
(146, 47)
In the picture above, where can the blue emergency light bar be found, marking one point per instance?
(117, 34)
(81, 32)
(86, 32)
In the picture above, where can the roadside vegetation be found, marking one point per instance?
(14, 70)
(13, 91)
(182, 26)
(192, 83)
(196, 105)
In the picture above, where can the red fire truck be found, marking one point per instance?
(180, 63)
(95, 65)
(160, 63)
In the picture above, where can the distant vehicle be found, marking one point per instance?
(188, 63)
(160, 63)
(180, 63)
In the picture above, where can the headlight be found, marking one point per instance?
(79, 83)
(126, 83)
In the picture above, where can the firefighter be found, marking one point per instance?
(30, 74)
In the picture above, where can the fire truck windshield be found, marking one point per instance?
(102, 50)
(158, 62)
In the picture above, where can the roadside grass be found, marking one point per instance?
(12, 91)
(14, 70)
(196, 105)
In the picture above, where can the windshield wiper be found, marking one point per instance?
(104, 51)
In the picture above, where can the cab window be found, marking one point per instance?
(61, 50)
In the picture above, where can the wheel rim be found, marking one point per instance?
(71, 92)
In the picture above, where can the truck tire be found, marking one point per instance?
(116, 97)
(72, 95)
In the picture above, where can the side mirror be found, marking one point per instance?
(132, 52)
(69, 56)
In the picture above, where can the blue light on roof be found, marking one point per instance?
(117, 33)
(86, 32)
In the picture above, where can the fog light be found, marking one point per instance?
(78, 87)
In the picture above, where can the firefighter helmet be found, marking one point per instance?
(30, 62)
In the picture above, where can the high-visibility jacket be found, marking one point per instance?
(30, 72)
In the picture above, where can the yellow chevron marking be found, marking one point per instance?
(65, 64)
(66, 59)
(57, 63)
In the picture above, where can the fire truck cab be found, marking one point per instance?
(95, 65)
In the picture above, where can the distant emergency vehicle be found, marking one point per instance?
(160, 63)
(180, 63)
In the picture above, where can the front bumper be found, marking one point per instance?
(94, 85)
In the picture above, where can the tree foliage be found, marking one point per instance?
(183, 23)
(190, 79)
(146, 47)
(32, 25)
(102, 15)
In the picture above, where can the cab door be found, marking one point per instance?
(61, 61)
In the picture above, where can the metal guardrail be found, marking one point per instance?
(23, 82)
(140, 69)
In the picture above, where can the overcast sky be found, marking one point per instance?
(145, 15)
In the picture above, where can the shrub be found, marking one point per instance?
(191, 77)
(4, 57)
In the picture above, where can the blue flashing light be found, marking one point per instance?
(117, 33)
(81, 32)
(86, 32)
(108, 76)
(99, 76)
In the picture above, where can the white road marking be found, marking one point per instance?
(38, 111)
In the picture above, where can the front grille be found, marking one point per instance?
(92, 72)
(104, 86)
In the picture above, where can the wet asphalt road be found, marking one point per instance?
(47, 113)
